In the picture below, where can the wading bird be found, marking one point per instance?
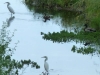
(46, 66)
(10, 8)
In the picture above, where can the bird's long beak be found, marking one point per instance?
(5, 2)
(42, 57)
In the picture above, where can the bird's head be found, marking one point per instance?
(7, 3)
(46, 58)
(86, 25)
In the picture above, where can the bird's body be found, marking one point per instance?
(10, 8)
(46, 66)
(87, 29)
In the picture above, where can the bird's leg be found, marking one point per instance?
(47, 73)
(11, 14)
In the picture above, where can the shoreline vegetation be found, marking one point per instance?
(89, 8)
(53, 5)
(88, 11)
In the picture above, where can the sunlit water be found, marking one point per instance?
(61, 59)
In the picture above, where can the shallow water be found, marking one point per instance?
(31, 45)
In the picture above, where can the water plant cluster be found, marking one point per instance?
(90, 40)
(9, 66)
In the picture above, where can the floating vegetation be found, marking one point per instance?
(65, 36)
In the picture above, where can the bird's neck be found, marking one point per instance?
(86, 26)
(8, 4)
(46, 59)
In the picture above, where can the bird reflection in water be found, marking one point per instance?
(10, 20)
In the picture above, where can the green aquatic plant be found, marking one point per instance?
(83, 50)
(81, 37)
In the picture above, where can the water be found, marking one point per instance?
(61, 59)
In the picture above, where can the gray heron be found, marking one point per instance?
(10, 8)
(46, 66)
